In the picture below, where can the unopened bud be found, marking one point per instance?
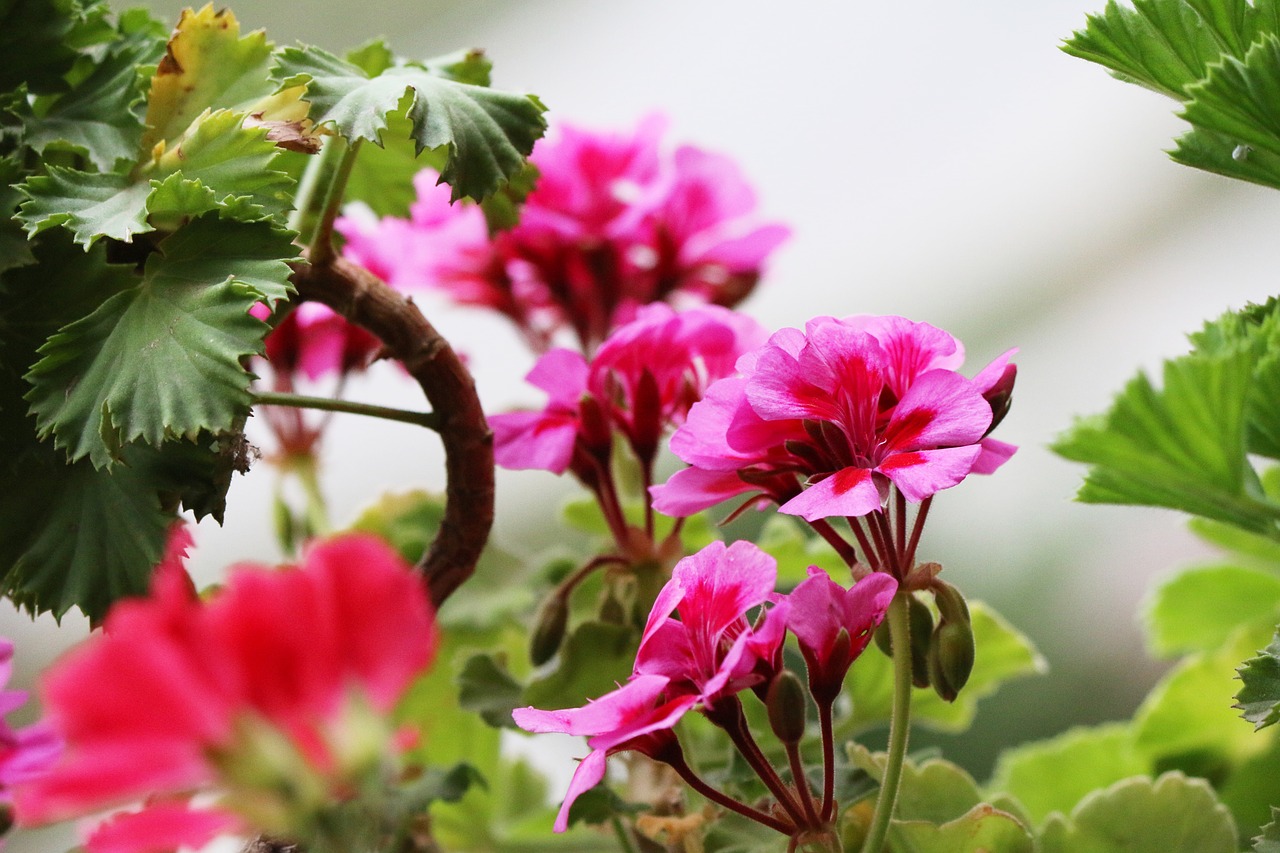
(951, 604)
(884, 641)
(1000, 396)
(548, 629)
(951, 655)
(786, 704)
(921, 634)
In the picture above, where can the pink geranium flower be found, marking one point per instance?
(641, 382)
(713, 650)
(316, 341)
(825, 420)
(638, 716)
(27, 753)
(613, 224)
(833, 625)
(282, 681)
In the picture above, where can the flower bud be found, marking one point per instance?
(786, 704)
(951, 654)
(921, 634)
(548, 629)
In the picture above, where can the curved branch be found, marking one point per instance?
(364, 299)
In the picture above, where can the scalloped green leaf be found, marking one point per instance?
(933, 791)
(1003, 653)
(1181, 446)
(91, 205)
(487, 133)
(1187, 719)
(1269, 840)
(1055, 774)
(127, 371)
(1259, 699)
(982, 829)
(487, 688)
(101, 117)
(1171, 814)
(1199, 609)
(1240, 98)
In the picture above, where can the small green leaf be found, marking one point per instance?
(439, 785)
(795, 550)
(1055, 774)
(127, 371)
(1240, 99)
(1171, 814)
(1199, 609)
(933, 791)
(1002, 654)
(407, 521)
(1248, 549)
(982, 829)
(1259, 699)
(372, 57)
(1269, 840)
(600, 804)
(487, 133)
(485, 687)
(382, 177)
(90, 205)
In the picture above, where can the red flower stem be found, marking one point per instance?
(827, 725)
(695, 782)
(883, 554)
(900, 525)
(730, 717)
(910, 556)
(610, 506)
(855, 524)
(364, 299)
(646, 474)
(884, 538)
(801, 783)
(835, 540)
(567, 585)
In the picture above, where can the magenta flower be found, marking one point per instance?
(281, 682)
(833, 625)
(316, 341)
(825, 420)
(641, 382)
(638, 716)
(611, 225)
(712, 650)
(27, 753)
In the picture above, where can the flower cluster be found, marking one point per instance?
(712, 652)
(824, 421)
(272, 695)
(611, 225)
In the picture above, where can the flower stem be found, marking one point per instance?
(899, 723)
(801, 783)
(921, 514)
(321, 245)
(825, 722)
(624, 839)
(694, 781)
(835, 540)
(730, 717)
(430, 420)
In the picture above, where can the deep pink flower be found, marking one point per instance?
(712, 650)
(315, 340)
(833, 625)
(611, 225)
(282, 671)
(637, 716)
(27, 753)
(823, 421)
(641, 382)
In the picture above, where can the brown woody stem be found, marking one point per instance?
(364, 299)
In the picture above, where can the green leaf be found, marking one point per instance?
(982, 829)
(1187, 720)
(1259, 699)
(487, 133)
(1171, 814)
(1161, 44)
(1002, 654)
(485, 687)
(382, 177)
(784, 539)
(1181, 447)
(33, 42)
(127, 371)
(102, 116)
(1241, 99)
(1199, 609)
(1055, 774)
(595, 657)
(1248, 549)
(1224, 155)
(933, 791)
(1269, 840)
(407, 521)
(600, 804)
(90, 205)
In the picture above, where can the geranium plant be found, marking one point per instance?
(201, 226)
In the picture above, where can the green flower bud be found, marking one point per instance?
(548, 629)
(921, 635)
(786, 704)
(951, 654)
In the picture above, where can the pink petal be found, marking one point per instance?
(160, 828)
(922, 473)
(847, 492)
(588, 774)
(541, 441)
(691, 490)
(994, 454)
(940, 409)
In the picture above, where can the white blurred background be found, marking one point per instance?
(937, 160)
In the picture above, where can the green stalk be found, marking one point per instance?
(312, 188)
(430, 420)
(899, 724)
(321, 244)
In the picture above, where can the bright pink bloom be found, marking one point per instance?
(27, 753)
(823, 421)
(611, 225)
(713, 650)
(637, 716)
(641, 382)
(834, 624)
(315, 340)
(175, 688)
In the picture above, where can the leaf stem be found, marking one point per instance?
(624, 840)
(430, 420)
(321, 245)
(899, 723)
